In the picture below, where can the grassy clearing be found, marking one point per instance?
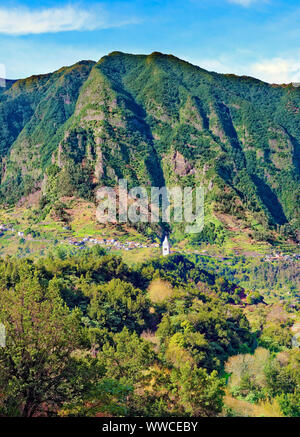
(238, 407)
(137, 256)
(159, 290)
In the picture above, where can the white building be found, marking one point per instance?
(166, 247)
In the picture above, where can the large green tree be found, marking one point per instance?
(38, 368)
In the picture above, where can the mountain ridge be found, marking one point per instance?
(155, 120)
(117, 52)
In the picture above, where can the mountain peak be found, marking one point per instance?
(116, 53)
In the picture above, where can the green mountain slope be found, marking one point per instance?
(155, 120)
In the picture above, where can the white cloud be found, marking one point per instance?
(272, 70)
(24, 21)
(277, 70)
(244, 3)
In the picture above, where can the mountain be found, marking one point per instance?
(155, 120)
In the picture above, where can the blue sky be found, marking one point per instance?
(259, 38)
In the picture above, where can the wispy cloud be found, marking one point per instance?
(244, 3)
(277, 70)
(25, 21)
(285, 69)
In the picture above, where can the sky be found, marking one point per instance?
(258, 38)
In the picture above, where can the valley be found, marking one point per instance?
(108, 325)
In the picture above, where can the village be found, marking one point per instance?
(110, 243)
(281, 256)
(115, 244)
(5, 228)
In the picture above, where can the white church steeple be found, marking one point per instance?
(166, 247)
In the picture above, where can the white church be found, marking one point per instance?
(166, 247)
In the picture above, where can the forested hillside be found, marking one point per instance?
(89, 336)
(156, 120)
(97, 323)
